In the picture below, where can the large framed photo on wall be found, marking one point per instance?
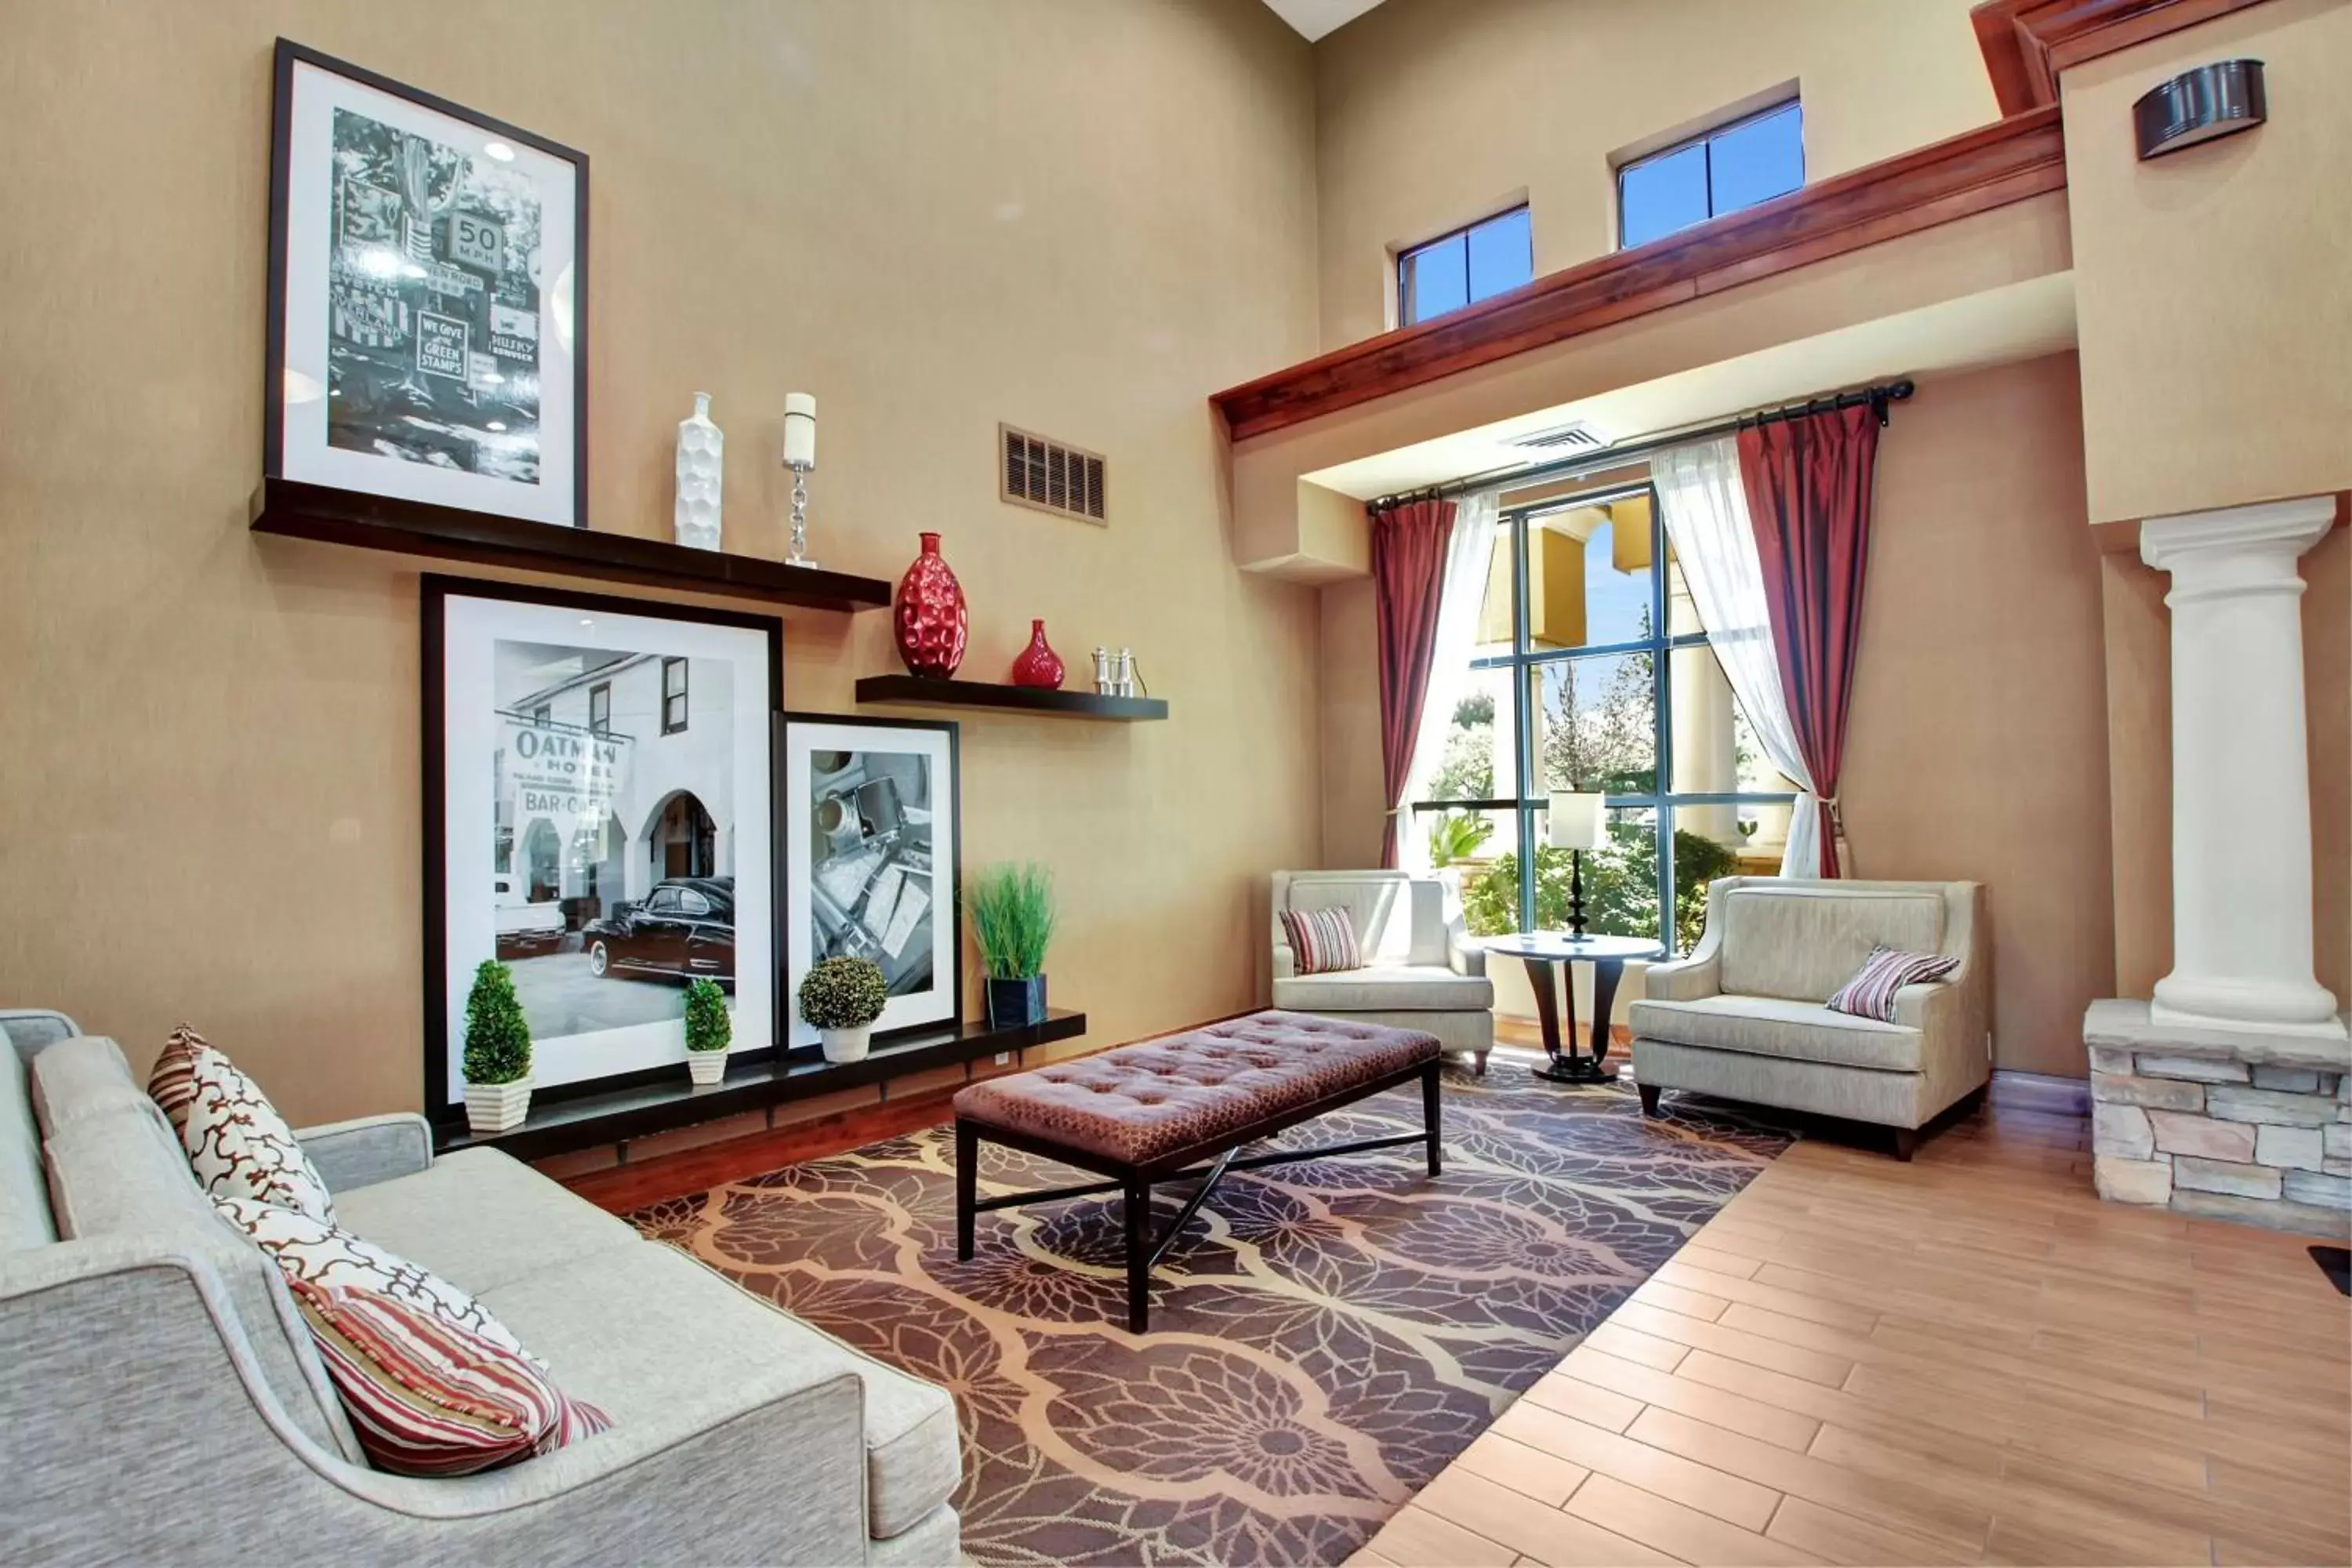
(429, 292)
(873, 848)
(600, 816)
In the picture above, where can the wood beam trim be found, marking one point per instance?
(2009, 160)
(2026, 44)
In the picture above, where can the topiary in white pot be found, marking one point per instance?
(709, 1031)
(497, 1062)
(840, 998)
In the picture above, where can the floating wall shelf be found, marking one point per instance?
(298, 510)
(562, 1120)
(914, 691)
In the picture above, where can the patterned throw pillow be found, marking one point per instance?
(1322, 941)
(428, 1397)
(1871, 993)
(172, 1084)
(321, 1254)
(240, 1147)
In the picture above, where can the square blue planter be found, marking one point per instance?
(1016, 1003)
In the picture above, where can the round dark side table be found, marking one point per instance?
(1542, 953)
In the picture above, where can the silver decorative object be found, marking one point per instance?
(1102, 672)
(799, 456)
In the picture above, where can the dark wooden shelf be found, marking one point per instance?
(562, 1118)
(916, 690)
(298, 510)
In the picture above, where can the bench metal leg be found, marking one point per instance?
(967, 1185)
(1138, 1255)
(1431, 1121)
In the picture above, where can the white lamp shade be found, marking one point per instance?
(1579, 821)
(800, 430)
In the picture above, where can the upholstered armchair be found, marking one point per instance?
(1743, 1016)
(1421, 969)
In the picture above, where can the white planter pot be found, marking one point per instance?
(845, 1045)
(708, 1066)
(492, 1108)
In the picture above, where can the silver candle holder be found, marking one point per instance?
(797, 554)
(799, 456)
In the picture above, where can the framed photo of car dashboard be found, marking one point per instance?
(872, 844)
(600, 815)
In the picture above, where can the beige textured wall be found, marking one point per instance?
(1973, 748)
(210, 773)
(1434, 112)
(2211, 283)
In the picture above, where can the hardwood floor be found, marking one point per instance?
(1965, 1359)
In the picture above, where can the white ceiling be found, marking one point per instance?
(2018, 321)
(1315, 17)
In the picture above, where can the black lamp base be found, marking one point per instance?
(1576, 894)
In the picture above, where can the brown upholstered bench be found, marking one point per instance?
(1152, 1111)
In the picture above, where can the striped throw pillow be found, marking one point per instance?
(1871, 993)
(173, 1085)
(1322, 941)
(429, 1397)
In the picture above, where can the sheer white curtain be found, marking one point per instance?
(1707, 520)
(1467, 556)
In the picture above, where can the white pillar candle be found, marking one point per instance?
(2241, 872)
(800, 430)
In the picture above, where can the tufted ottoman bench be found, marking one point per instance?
(1153, 1112)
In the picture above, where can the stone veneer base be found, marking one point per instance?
(2252, 1127)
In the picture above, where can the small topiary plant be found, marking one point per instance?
(844, 993)
(708, 1026)
(498, 1037)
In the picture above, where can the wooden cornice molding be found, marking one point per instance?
(2012, 159)
(2026, 42)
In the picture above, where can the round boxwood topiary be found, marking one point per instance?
(498, 1037)
(708, 1026)
(843, 993)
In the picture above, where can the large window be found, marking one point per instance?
(1465, 267)
(1752, 160)
(1592, 672)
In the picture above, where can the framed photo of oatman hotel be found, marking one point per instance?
(600, 815)
(428, 288)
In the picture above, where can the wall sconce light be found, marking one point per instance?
(2218, 99)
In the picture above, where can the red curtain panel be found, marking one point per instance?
(1808, 482)
(1408, 579)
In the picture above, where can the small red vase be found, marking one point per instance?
(930, 616)
(1038, 665)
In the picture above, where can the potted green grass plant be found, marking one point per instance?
(497, 1062)
(840, 998)
(1013, 920)
(709, 1031)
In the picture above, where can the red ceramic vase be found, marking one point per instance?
(1038, 665)
(930, 616)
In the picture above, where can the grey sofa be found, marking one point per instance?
(159, 1399)
(1742, 1018)
(1422, 970)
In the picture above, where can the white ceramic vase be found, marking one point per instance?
(846, 1045)
(494, 1107)
(708, 1066)
(701, 460)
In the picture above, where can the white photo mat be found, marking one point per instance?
(909, 897)
(472, 627)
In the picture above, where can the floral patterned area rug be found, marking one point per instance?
(1325, 1338)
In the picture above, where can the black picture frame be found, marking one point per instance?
(787, 807)
(287, 55)
(435, 591)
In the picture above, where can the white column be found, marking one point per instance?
(2242, 882)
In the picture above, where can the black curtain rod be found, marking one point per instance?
(1878, 397)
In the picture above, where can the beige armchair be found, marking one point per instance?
(1421, 969)
(1742, 1018)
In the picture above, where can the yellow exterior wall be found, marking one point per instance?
(210, 779)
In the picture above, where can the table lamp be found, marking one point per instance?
(1579, 823)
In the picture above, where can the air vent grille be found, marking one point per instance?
(1577, 438)
(1051, 476)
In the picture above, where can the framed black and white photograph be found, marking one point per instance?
(600, 815)
(872, 847)
(428, 288)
